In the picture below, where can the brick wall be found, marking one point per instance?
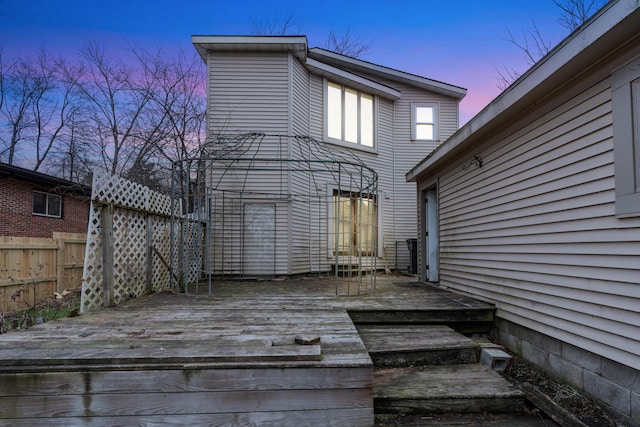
(614, 384)
(16, 211)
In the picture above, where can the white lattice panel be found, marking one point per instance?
(92, 291)
(133, 203)
(130, 255)
(161, 278)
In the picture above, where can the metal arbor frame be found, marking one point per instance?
(256, 205)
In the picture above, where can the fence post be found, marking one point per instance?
(60, 260)
(107, 255)
(149, 253)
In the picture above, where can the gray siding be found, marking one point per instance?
(396, 154)
(275, 94)
(248, 92)
(306, 245)
(534, 228)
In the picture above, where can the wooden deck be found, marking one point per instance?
(236, 358)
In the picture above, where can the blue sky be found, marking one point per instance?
(461, 42)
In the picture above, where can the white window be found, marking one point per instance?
(424, 121)
(625, 92)
(46, 204)
(355, 223)
(349, 115)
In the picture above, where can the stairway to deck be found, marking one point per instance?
(426, 368)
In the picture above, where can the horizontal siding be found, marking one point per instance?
(248, 92)
(405, 155)
(534, 229)
(305, 246)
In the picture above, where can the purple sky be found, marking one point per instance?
(461, 42)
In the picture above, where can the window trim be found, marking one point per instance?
(414, 120)
(625, 85)
(374, 117)
(332, 192)
(48, 196)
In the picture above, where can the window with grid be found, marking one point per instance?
(350, 115)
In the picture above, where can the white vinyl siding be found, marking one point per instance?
(534, 228)
(274, 93)
(249, 92)
(404, 157)
(307, 245)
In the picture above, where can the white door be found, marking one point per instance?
(259, 239)
(431, 238)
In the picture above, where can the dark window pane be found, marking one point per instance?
(54, 205)
(40, 203)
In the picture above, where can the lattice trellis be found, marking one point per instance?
(136, 220)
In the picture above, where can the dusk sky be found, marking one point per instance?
(461, 42)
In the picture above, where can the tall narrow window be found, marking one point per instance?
(350, 115)
(355, 224)
(46, 204)
(424, 121)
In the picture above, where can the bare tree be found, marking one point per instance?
(174, 120)
(533, 43)
(280, 25)
(116, 97)
(347, 44)
(52, 108)
(18, 92)
(577, 12)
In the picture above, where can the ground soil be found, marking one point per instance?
(584, 408)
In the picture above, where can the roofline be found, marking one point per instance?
(295, 44)
(569, 59)
(328, 56)
(34, 177)
(353, 80)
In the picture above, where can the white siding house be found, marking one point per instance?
(535, 205)
(388, 118)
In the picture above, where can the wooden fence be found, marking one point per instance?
(32, 269)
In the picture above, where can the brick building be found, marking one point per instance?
(33, 204)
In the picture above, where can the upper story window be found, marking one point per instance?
(349, 115)
(46, 204)
(625, 93)
(424, 121)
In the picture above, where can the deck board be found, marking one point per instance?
(230, 357)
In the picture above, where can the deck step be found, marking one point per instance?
(413, 345)
(466, 320)
(469, 388)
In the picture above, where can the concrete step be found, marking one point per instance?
(414, 345)
(458, 389)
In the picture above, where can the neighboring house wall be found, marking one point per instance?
(16, 211)
(531, 224)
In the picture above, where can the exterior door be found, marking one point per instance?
(431, 255)
(259, 239)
